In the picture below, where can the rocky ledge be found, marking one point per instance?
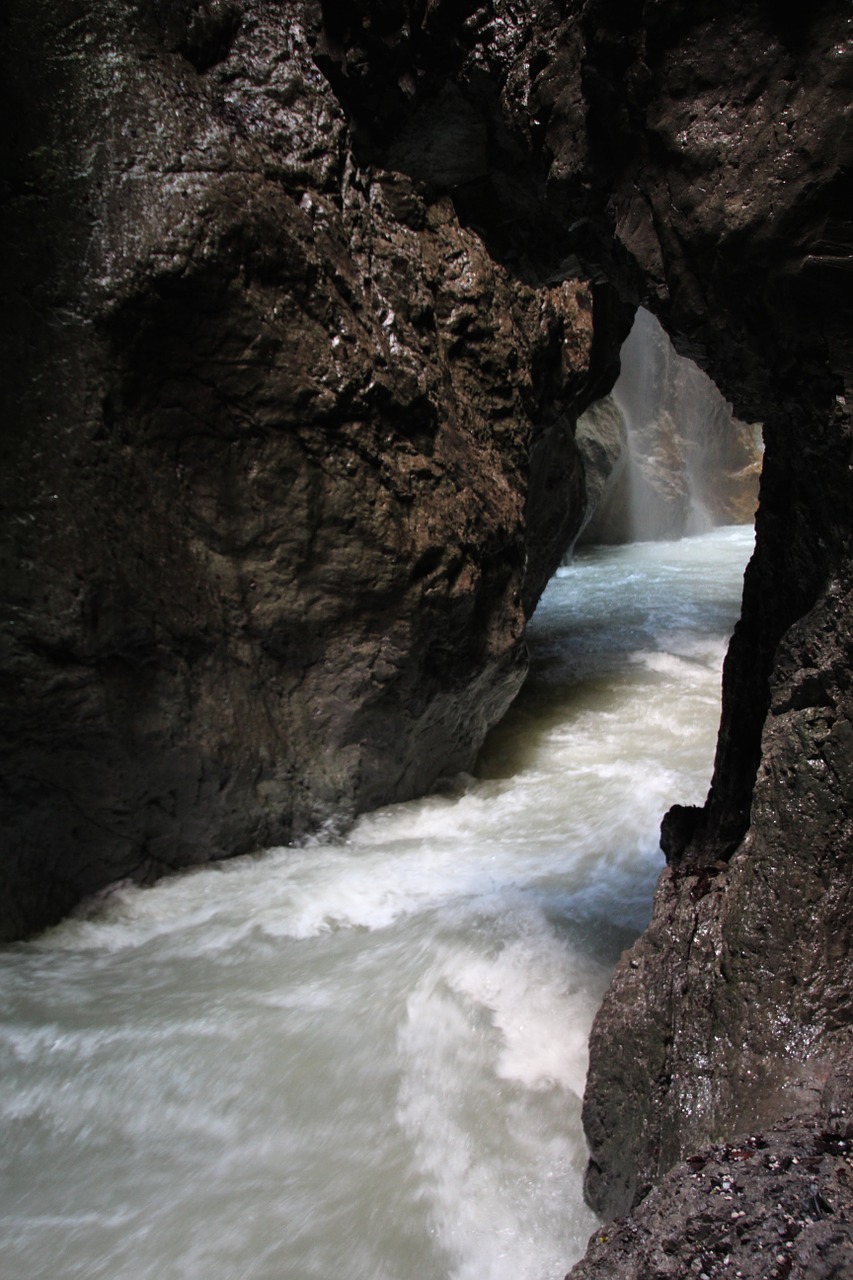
(772, 1205)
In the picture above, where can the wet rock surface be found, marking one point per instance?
(731, 1009)
(292, 452)
(602, 438)
(773, 1205)
(737, 999)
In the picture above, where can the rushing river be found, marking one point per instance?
(365, 1060)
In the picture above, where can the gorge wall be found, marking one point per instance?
(304, 303)
(292, 453)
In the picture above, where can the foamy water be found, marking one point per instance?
(366, 1058)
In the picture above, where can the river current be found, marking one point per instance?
(365, 1059)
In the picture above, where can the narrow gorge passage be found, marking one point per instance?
(367, 1058)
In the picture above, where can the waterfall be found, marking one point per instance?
(685, 464)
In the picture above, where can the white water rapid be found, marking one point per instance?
(365, 1060)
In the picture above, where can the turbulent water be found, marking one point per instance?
(365, 1060)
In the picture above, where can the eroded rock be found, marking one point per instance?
(772, 1205)
(292, 452)
(728, 1013)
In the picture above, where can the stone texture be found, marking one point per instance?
(291, 452)
(602, 439)
(729, 1012)
(737, 1000)
(774, 1205)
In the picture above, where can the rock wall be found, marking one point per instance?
(733, 1010)
(291, 451)
(776, 1204)
(602, 439)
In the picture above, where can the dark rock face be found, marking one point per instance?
(305, 301)
(777, 1205)
(291, 452)
(602, 438)
(736, 1003)
(732, 1009)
